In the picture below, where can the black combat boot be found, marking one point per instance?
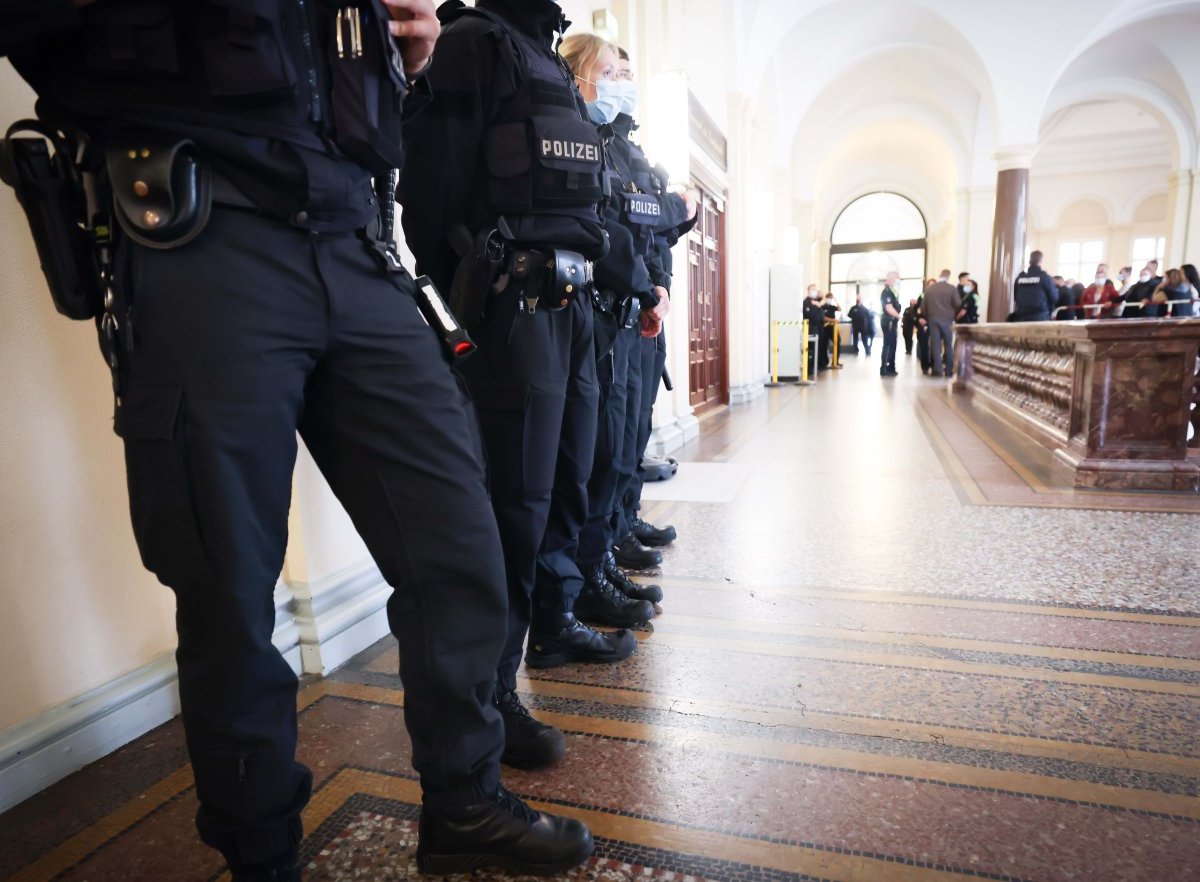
(626, 585)
(500, 831)
(633, 555)
(574, 641)
(528, 743)
(601, 602)
(652, 536)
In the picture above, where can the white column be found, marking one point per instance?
(1183, 217)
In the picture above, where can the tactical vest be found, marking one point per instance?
(641, 210)
(270, 68)
(544, 160)
(1030, 297)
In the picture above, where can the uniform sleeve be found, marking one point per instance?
(623, 270)
(442, 146)
(23, 21)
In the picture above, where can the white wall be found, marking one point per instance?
(79, 609)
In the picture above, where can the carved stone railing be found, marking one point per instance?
(1112, 399)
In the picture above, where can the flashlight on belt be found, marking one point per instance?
(437, 315)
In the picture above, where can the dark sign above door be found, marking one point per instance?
(707, 133)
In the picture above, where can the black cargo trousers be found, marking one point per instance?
(251, 332)
(652, 355)
(533, 381)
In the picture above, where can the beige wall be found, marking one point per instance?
(79, 610)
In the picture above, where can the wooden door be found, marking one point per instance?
(706, 286)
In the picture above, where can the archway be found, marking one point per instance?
(873, 236)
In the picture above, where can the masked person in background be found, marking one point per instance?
(627, 304)
(671, 215)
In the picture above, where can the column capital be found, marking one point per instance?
(1181, 177)
(1017, 156)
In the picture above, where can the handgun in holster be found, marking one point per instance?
(481, 259)
(51, 191)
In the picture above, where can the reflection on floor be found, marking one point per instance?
(899, 652)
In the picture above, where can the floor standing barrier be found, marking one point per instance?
(805, 339)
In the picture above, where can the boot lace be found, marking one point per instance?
(508, 801)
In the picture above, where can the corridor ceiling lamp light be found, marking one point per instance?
(664, 130)
(605, 24)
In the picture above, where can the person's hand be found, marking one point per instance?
(651, 324)
(664, 302)
(415, 24)
(691, 203)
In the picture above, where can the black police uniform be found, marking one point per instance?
(280, 316)
(923, 354)
(673, 224)
(908, 323)
(890, 325)
(862, 325)
(969, 309)
(624, 287)
(667, 216)
(504, 145)
(1034, 295)
(816, 328)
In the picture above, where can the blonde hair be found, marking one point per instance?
(582, 51)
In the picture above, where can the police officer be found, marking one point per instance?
(908, 324)
(628, 303)
(280, 309)
(676, 214)
(968, 312)
(504, 150)
(1034, 293)
(889, 307)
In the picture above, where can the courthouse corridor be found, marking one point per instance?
(899, 649)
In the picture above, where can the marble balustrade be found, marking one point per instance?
(1112, 399)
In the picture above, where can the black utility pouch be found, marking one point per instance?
(369, 86)
(50, 190)
(162, 193)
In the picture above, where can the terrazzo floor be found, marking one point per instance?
(904, 650)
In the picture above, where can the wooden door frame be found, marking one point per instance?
(704, 181)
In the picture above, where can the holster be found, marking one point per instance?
(480, 262)
(50, 190)
(162, 193)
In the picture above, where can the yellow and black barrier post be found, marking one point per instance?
(805, 339)
(834, 360)
(789, 323)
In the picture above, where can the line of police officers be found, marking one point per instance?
(253, 293)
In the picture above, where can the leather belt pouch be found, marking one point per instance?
(161, 192)
(555, 277)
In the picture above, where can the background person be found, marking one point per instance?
(942, 303)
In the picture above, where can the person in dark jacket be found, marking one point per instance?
(1034, 293)
(1140, 292)
(1174, 287)
(816, 328)
(279, 311)
(968, 292)
(908, 325)
(1193, 282)
(1064, 306)
(533, 379)
(862, 325)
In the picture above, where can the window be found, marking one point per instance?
(1078, 260)
(1146, 249)
(875, 235)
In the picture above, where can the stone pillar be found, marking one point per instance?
(1009, 228)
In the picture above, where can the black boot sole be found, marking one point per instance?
(574, 656)
(450, 864)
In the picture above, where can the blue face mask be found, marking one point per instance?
(607, 104)
(629, 97)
